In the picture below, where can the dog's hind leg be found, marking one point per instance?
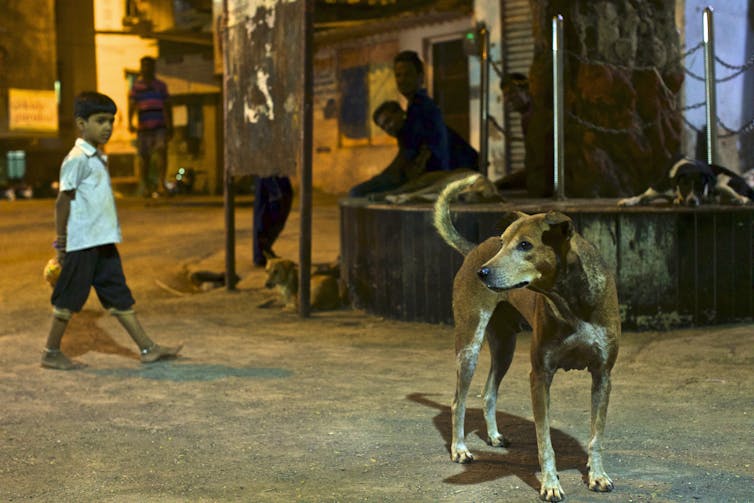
(501, 338)
(598, 479)
(467, 355)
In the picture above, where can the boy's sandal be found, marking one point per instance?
(55, 359)
(157, 352)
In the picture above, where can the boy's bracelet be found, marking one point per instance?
(59, 243)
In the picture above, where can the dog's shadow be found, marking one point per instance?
(519, 459)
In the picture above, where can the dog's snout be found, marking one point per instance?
(483, 273)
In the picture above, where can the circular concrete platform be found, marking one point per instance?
(673, 266)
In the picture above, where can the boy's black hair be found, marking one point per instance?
(89, 103)
(386, 107)
(410, 57)
(147, 59)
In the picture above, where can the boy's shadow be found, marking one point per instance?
(84, 335)
(519, 459)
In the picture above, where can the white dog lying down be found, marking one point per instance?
(691, 182)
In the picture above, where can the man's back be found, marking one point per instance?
(462, 155)
(424, 126)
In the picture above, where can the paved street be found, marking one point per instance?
(343, 406)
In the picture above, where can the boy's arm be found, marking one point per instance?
(62, 211)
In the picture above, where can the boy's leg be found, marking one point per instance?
(144, 164)
(160, 159)
(110, 285)
(276, 215)
(259, 223)
(52, 357)
(149, 351)
(68, 296)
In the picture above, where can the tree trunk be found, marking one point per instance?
(622, 77)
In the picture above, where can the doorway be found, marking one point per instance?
(450, 83)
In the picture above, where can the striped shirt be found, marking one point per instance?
(149, 99)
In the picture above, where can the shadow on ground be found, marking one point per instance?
(519, 459)
(87, 337)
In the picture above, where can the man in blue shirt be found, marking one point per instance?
(423, 138)
(390, 117)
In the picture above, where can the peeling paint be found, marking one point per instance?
(238, 10)
(291, 103)
(254, 110)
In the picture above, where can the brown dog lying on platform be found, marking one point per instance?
(427, 187)
(542, 268)
(283, 274)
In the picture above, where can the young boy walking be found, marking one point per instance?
(87, 231)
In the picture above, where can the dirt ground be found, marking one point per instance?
(343, 406)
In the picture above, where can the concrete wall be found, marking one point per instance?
(115, 55)
(338, 165)
(488, 12)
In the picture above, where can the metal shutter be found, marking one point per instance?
(517, 54)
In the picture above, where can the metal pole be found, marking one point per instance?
(484, 98)
(305, 243)
(709, 84)
(228, 200)
(558, 53)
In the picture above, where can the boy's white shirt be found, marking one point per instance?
(93, 220)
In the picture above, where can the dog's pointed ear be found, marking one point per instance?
(560, 222)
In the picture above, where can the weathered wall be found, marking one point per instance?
(338, 163)
(673, 267)
(28, 53)
(622, 79)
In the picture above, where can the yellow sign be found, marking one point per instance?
(32, 110)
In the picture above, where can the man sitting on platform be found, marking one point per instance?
(423, 137)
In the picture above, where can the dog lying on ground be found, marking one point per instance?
(427, 186)
(692, 182)
(541, 269)
(326, 291)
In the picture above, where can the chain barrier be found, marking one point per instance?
(739, 69)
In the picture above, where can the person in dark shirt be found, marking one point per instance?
(390, 117)
(423, 138)
(516, 95)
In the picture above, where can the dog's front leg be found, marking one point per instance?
(598, 479)
(466, 360)
(540, 400)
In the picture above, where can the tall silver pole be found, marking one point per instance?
(709, 84)
(558, 52)
(484, 99)
(229, 204)
(305, 241)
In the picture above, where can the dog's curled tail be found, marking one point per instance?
(442, 220)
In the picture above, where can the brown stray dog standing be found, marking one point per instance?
(557, 280)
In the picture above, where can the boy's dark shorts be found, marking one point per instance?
(97, 267)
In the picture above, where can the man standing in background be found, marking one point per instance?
(150, 101)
